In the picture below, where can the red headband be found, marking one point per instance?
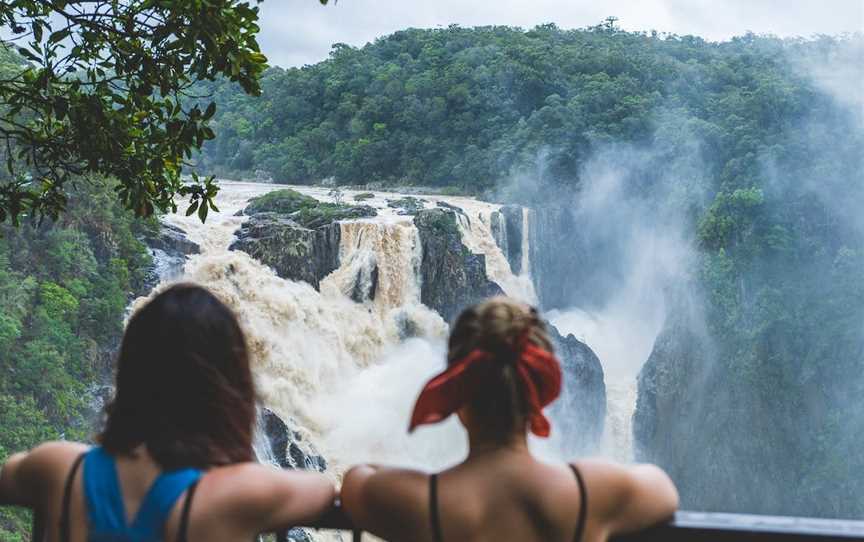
(447, 392)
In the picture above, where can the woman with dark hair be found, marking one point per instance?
(501, 373)
(175, 460)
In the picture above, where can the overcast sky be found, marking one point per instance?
(297, 32)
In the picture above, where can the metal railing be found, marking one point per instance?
(707, 527)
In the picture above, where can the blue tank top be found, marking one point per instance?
(107, 512)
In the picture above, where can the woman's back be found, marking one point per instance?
(231, 503)
(181, 418)
(508, 495)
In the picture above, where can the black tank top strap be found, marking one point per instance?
(583, 504)
(65, 528)
(183, 530)
(434, 516)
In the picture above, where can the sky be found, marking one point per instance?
(298, 32)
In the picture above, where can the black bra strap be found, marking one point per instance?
(433, 509)
(583, 504)
(67, 498)
(183, 531)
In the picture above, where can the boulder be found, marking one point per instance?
(293, 251)
(452, 277)
(285, 448)
(286, 445)
(169, 249)
(172, 240)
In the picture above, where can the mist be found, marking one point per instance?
(746, 337)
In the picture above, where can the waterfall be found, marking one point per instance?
(475, 226)
(622, 334)
(526, 244)
(261, 444)
(378, 256)
(341, 368)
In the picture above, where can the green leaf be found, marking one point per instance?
(60, 35)
(202, 213)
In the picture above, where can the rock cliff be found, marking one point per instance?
(452, 277)
(555, 256)
(581, 409)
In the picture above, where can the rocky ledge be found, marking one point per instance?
(286, 445)
(296, 235)
(294, 252)
(170, 248)
(452, 277)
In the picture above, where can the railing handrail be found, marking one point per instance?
(705, 527)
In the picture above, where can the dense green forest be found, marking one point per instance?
(741, 145)
(64, 287)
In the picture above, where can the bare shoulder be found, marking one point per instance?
(381, 482)
(628, 497)
(607, 480)
(50, 458)
(372, 494)
(260, 497)
(26, 478)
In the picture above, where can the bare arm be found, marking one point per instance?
(289, 498)
(25, 476)
(12, 490)
(630, 497)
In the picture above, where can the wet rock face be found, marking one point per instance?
(555, 256)
(673, 407)
(287, 446)
(293, 251)
(169, 248)
(513, 225)
(452, 278)
(172, 239)
(581, 408)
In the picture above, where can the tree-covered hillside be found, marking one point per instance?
(464, 107)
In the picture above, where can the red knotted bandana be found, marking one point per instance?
(447, 392)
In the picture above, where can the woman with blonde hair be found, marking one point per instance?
(175, 460)
(501, 373)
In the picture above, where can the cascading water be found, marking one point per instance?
(477, 236)
(526, 247)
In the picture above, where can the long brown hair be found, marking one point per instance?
(184, 387)
(497, 326)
